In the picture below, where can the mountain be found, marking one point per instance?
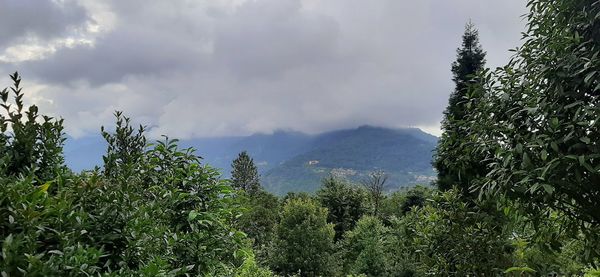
(293, 161)
(268, 150)
(404, 154)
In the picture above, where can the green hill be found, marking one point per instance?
(404, 154)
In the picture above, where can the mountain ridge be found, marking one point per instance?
(295, 161)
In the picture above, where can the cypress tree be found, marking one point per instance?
(455, 162)
(244, 175)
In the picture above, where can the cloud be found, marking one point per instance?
(209, 68)
(23, 20)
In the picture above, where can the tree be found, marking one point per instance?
(259, 220)
(544, 109)
(30, 143)
(451, 237)
(365, 249)
(455, 161)
(244, 175)
(304, 242)
(375, 186)
(345, 202)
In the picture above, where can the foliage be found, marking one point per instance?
(125, 148)
(169, 216)
(304, 242)
(456, 162)
(540, 116)
(375, 185)
(30, 143)
(244, 175)
(250, 269)
(525, 137)
(399, 203)
(450, 237)
(345, 202)
(259, 219)
(365, 248)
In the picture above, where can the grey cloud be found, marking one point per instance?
(191, 68)
(266, 38)
(41, 19)
(122, 53)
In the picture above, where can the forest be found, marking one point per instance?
(516, 194)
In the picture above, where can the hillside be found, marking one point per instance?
(405, 154)
(293, 161)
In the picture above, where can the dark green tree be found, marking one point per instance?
(451, 237)
(30, 143)
(543, 107)
(260, 217)
(365, 248)
(454, 160)
(346, 203)
(244, 174)
(304, 242)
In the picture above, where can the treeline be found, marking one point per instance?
(348, 229)
(517, 191)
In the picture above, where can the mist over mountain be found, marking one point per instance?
(294, 161)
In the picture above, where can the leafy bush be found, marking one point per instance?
(345, 202)
(450, 237)
(30, 143)
(365, 248)
(259, 220)
(304, 242)
(154, 211)
(538, 115)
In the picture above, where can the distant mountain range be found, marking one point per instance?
(293, 161)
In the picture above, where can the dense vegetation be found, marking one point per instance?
(518, 187)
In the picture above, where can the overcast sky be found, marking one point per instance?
(235, 67)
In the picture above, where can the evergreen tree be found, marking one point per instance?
(455, 161)
(244, 175)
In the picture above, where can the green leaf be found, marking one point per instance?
(554, 146)
(588, 77)
(548, 188)
(554, 122)
(586, 140)
(192, 215)
(519, 269)
(544, 155)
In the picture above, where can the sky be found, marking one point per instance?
(237, 67)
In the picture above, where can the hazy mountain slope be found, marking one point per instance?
(405, 154)
(268, 150)
(292, 161)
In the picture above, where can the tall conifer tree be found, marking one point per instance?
(455, 163)
(244, 174)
